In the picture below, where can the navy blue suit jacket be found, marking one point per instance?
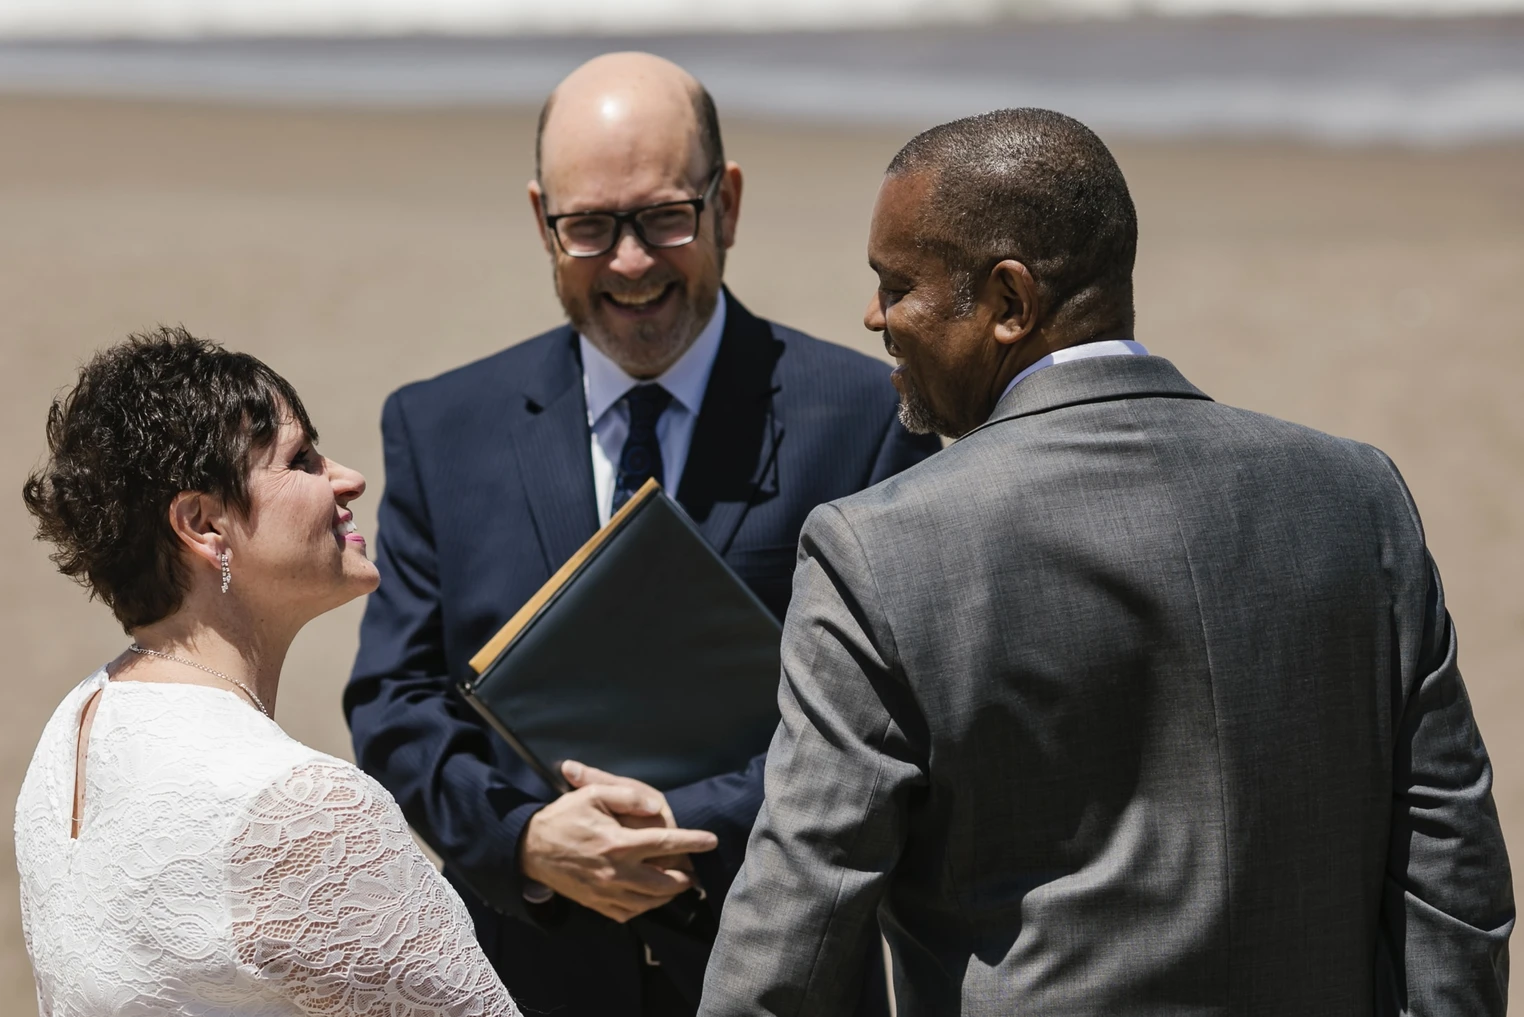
(489, 488)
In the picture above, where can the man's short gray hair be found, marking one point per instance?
(1038, 187)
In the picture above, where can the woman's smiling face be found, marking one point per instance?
(297, 550)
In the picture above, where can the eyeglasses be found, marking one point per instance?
(669, 224)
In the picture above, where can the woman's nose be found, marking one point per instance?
(347, 484)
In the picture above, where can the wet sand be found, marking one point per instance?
(1371, 292)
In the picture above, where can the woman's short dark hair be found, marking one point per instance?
(159, 413)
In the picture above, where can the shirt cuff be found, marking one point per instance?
(537, 893)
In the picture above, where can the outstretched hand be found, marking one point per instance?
(611, 845)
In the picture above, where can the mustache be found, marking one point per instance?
(619, 286)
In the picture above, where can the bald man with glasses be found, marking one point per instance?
(662, 226)
(498, 471)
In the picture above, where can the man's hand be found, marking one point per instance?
(611, 845)
(581, 775)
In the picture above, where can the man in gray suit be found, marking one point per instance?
(1126, 703)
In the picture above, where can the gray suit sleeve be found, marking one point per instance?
(802, 916)
(1447, 908)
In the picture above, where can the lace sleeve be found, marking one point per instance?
(338, 911)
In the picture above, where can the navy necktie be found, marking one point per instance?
(640, 460)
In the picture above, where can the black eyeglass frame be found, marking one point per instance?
(623, 219)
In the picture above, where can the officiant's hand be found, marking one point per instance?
(581, 775)
(609, 845)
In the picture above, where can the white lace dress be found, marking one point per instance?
(224, 869)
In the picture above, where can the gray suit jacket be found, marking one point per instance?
(1126, 703)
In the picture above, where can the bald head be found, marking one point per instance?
(630, 142)
(627, 100)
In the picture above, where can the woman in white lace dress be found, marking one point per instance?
(179, 854)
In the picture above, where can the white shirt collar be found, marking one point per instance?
(605, 383)
(1084, 351)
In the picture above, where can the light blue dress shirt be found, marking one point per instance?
(604, 384)
(1084, 351)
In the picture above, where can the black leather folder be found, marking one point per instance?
(644, 655)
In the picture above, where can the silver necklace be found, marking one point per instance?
(135, 648)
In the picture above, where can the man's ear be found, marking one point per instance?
(1017, 308)
(728, 196)
(199, 521)
(537, 203)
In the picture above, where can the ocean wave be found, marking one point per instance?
(1420, 82)
(174, 19)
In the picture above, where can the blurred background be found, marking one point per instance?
(1331, 198)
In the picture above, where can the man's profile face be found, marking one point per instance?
(642, 307)
(942, 355)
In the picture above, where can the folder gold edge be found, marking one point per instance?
(524, 615)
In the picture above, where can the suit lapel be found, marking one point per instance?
(732, 463)
(552, 445)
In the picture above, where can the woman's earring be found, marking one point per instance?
(227, 573)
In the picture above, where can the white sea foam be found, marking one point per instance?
(168, 19)
(1433, 81)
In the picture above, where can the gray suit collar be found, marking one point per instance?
(1097, 379)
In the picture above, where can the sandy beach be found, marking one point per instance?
(1371, 292)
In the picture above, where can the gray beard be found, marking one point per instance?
(919, 418)
(653, 349)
